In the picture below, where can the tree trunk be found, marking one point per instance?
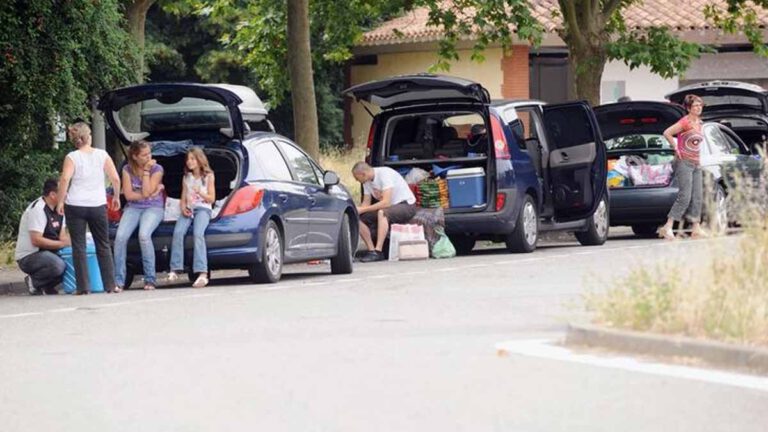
(302, 83)
(136, 17)
(587, 64)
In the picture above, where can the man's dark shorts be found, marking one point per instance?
(397, 214)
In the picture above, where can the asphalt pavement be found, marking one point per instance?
(407, 346)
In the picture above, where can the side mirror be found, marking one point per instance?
(330, 178)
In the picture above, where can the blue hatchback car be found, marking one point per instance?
(275, 205)
(542, 167)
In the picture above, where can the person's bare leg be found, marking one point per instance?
(365, 234)
(382, 231)
(666, 230)
(697, 232)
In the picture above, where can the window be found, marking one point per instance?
(717, 143)
(435, 135)
(637, 142)
(526, 127)
(270, 162)
(611, 91)
(300, 164)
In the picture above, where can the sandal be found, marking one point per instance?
(116, 290)
(201, 281)
(666, 233)
(149, 286)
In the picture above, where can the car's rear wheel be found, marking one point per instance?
(463, 243)
(597, 226)
(719, 215)
(523, 239)
(645, 230)
(270, 267)
(342, 262)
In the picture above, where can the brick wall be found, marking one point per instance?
(516, 75)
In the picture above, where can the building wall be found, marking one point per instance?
(638, 84)
(489, 73)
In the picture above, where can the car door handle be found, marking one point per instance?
(312, 200)
(565, 156)
(283, 197)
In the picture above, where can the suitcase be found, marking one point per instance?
(413, 250)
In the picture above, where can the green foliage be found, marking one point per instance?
(489, 21)
(22, 173)
(740, 16)
(657, 48)
(55, 55)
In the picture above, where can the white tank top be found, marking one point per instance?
(88, 187)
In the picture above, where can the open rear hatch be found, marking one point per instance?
(419, 89)
(434, 126)
(174, 117)
(720, 96)
(638, 154)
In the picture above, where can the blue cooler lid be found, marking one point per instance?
(90, 248)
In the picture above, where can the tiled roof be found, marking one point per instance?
(674, 14)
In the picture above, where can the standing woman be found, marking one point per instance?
(198, 192)
(142, 187)
(687, 169)
(83, 201)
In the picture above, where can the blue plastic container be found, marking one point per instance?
(466, 187)
(94, 273)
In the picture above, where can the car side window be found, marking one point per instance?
(266, 156)
(300, 163)
(733, 143)
(531, 124)
(319, 173)
(715, 140)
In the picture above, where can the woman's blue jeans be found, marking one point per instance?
(147, 220)
(199, 221)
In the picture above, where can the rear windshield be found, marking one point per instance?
(187, 113)
(435, 136)
(715, 101)
(637, 142)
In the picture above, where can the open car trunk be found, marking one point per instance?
(638, 154)
(448, 148)
(171, 155)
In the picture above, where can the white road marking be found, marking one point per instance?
(541, 348)
(474, 266)
(21, 315)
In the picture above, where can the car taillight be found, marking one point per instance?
(501, 199)
(648, 120)
(369, 147)
(245, 199)
(627, 121)
(499, 140)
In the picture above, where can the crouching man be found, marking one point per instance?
(395, 203)
(41, 235)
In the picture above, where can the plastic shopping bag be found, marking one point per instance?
(402, 232)
(443, 248)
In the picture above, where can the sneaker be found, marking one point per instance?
(31, 288)
(372, 256)
(201, 281)
(173, 276)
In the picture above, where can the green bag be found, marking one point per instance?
(443, 248)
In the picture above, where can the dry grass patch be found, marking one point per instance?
(723, 298)
(341, 162)
(7, 252)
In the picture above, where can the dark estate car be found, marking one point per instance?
(275, 204)
(542, 167)
(640, 178)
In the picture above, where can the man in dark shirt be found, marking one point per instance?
(41, 235)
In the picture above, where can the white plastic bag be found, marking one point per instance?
(416, 176)
(402, 232)
(172, 210)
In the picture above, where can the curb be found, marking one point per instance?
(13, 288)
(712, 352)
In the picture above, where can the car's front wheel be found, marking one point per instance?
(270, 267)
(523, 239)
(597, 226)
(342, 262)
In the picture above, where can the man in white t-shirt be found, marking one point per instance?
(395, 203)
(41, 235)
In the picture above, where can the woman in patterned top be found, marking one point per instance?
(687, 169)
(198, 193)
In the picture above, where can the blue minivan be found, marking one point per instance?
(275, 205)
(543, 166)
